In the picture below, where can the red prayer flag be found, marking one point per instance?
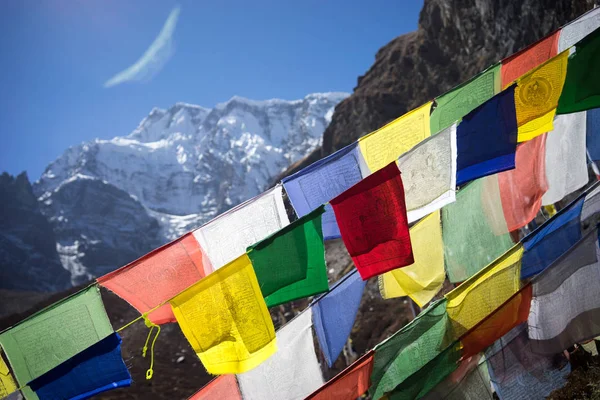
(349, 384)
(158, 276)
(225, 387)
(533, 56)
(373, 223)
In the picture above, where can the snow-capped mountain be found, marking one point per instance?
(111, 201)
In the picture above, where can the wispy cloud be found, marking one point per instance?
(153, 59)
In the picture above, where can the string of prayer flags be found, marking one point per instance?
(578, 29)
(565, 308)
(422, 280)
(7, 382)
(486, 139)
(97, 369)
(474, 229)
(293, 372)
(386, 144)
(226, 237)
(484, 292)
(373, 223)
(349, 384)
(536, 97)
(323, 180)
(409, 349)
(225, 387)
(334, 315)
(592, 135)
(429, 172)
(55, 334)
(463, 99)
(286, 256)
(158, 276)
(522, 188)
(225, 319)
(518, 373)
(582, 85)
(470, 381)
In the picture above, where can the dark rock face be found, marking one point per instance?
(28, 257)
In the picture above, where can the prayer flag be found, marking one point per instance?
(522, 188)
(565, 308)
(463, 99)
(536, 97)
(484, 292)
(97, 369)
(592, 133)
(386, 144)
(582, 85)
(225, 387)
(591, 205)
(578, 29)
(7, 383)
(470, 381)
(285, 257)
(474, 229)
(55, 334)
(159, 275)
(293, 372)
(322, 181)
(225, 319)
(226, 237)
(334, 315)
(424, 279)
(486, 139)
(429, 172)
(349, 384)
(372, 219)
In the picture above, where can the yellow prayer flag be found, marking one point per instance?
(536, 97)
(386, 144)
(225, 319)
(7, 383)
(422, 280)
(484, 292)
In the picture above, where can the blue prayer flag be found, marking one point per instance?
(593, 133)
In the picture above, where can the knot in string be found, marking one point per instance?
(150, 325)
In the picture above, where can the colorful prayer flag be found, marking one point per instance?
(592, 133)
(578, 29)
(470, 381)
(225, 319)
(293, 372)
(486, 139)
(7, 383)
(97, 369)
(386, 144)
(225, 387)
(334, 315)
(322, 181)
(463, 99)
(422, 280)
(158, 276)
(226, 237)
(373, 222)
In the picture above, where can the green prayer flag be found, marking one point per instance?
(582, 84)
(454, 105)
(410, 349)
(55, 334)
(474, 229)
(290, 264)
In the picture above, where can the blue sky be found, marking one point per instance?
(57, 56)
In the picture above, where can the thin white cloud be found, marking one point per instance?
(153, 59)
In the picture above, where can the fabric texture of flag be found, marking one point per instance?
(386, 144)
(566, 157)
(293, 372)
(578, 29)
(592, 133)
(97, 369)
(422, 280)
(226, 320)
(225, 387)
(373, 222)
(7, 382)
(582, 85)
(429, 174)
(470, 381)
(156, 277)
(486, 139)
(531, 57)
(522, 188)
(285, 257)
(323, 180)
(474, 229)
(460, 101)
(334, 315)
(226, 237)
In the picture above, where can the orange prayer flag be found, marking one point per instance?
(225, 387)
(158, 276)
(349, 384)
